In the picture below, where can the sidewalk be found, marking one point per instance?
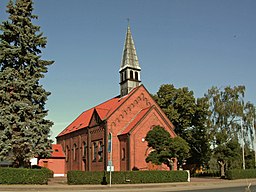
(195, 183)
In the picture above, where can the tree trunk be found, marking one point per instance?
(222, 169)
(170, 164)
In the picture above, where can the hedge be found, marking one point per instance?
(240, 174)
(208, 173)
(24, 176)
(124, 177)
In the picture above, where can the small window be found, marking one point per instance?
(123, 154)
(94, 151)
(125, 76)
(136, 75)
(131, 74)
(67, 154)
(74, 152)
(84, 149)
(100, 152)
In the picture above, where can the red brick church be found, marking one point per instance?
(122, 121)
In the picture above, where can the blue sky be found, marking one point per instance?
(193, 43)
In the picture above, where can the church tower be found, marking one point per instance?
(130, 68)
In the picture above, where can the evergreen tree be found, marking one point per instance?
(24, 131)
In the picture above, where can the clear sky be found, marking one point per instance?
(193, 43)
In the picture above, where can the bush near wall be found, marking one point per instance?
(124, 177)
(241, 174)
(24, 176)
(48, 173)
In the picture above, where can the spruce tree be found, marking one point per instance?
(24, 129)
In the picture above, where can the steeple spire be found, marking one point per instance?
(130, 68)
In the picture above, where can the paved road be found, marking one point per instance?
(195, 185)
(231, 189)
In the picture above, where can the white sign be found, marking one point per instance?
(110, 168)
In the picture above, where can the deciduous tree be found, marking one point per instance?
(227, 115)
(165, 148)
(190, 116)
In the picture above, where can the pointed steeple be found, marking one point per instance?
(130, 68)
(129, 58)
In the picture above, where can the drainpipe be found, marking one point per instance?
(105, 145)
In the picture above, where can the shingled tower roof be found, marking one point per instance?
(129, 58)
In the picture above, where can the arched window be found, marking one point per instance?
(131, 74)
(67, 154)
(84, 149)
(100, 151)
(94, 151)
(136, 75)
(125, 76)
(74, 152)
(123, 154)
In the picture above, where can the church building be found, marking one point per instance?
(112, 134)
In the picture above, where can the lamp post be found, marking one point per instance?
(242, 130)
(254, 142)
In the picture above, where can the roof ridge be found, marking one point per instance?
(125, 99)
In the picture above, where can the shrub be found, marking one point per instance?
(122, 177)
(24, 176)
(48, 173)
(208, 173)
(240, 174)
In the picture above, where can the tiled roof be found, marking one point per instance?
(57, 151)
(80, 122)
(136, 120)
(104, 110)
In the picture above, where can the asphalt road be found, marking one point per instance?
(196, 185)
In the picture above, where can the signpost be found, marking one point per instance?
(110, 166)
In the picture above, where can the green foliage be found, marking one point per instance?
(190, 117)
(227, 110)
(180, 149)
(227, 125)
(165, 148)
(133, 177)
(199, 135)
(214, 120)
(24, 176)
(48, 173)
(179, 106)
(230, 153)
(24, 131)
(249, 158)
(241, 174)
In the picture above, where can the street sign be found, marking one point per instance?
(109, 142)
(110, 168)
